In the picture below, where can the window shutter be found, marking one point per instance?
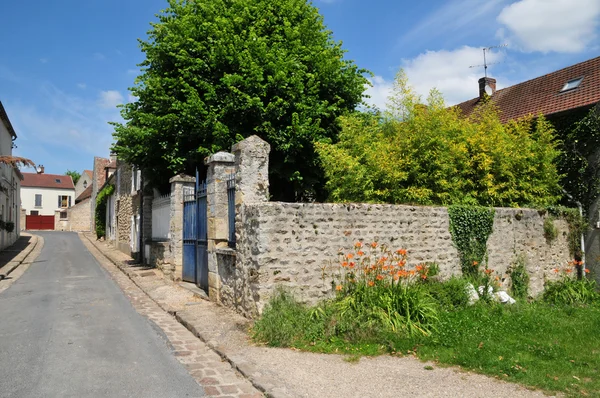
(69, 201)
(59, 202)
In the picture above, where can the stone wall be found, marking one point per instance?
(80, 216)
(61, 223)
(127, 206)
(290, 244)
(294, 245)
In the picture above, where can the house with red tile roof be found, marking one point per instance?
(44, 194)
(571, 90)
(84, 181)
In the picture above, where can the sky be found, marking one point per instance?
(67, 64)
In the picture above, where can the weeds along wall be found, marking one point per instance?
(296, 245)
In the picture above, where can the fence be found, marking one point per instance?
(161, 217)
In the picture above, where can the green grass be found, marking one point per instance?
(550, 347)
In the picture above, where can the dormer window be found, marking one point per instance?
(57, 180)
(572, 84)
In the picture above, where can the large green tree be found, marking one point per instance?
(220, 70)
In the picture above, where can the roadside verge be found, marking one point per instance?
(15, 259)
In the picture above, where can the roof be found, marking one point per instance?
(35, 180)
(87, 193)
(6, 121)
(111, 165)
(90, 173)
(543, 94)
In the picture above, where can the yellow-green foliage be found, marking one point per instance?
(431, 155)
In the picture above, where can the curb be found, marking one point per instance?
(20, 258)
(244, 368)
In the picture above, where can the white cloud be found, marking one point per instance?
(565, 26)
(449, 72)
(131, 98)
(82, 86)
(110, 99)
(378, 92)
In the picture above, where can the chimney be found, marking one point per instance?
(113, 157)
(487, 85)
(40, 169)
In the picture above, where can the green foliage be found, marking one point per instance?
(578, 163)
(571, 291)
(9, 226)
(217, 71)
(550, 230)
(100, 216)
(578, 226)
(74, 175)
(519, 278)
(431, 155)
(470, 228)
(451, 295)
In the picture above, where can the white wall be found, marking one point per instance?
(9, 201)
(49, 199)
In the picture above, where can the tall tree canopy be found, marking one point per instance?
(74, 175)
(220, 70)
(432, 155)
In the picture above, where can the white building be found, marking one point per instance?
(10, 179)
(84, 182)
(42, 195)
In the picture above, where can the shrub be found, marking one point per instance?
(432, 155)
(9, 226)
(570, 289)
(519, 278)
(100, 213)
(470, 228)
(550, 230)
(451, 294)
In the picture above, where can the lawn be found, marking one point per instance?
(554, 348)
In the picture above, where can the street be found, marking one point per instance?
(67, 330)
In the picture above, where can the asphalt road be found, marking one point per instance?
(67, 330)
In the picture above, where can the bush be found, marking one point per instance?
(450, 295)
(431, 155)
(519, 278)
(550, 230)
(9, 226)
(571, 288)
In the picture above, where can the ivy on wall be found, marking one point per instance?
(470, 228)
(578, 225)
(100, 216)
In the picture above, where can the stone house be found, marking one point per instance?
(123, 214)
(563, 97)
(10, 183)
(84, 182)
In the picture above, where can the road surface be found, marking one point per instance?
(67, 330)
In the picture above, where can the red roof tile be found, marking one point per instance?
(543, 94)
(90, 173)
(56, 181)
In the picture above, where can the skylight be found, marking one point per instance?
(572, 84)
(57, 180)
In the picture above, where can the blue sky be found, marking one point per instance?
(67, 64)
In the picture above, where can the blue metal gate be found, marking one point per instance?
(195, 236)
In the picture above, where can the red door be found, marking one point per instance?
(39, 222)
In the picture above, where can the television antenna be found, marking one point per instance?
(485, 63)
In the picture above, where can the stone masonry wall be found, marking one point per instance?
(289, 244)
(80, 216)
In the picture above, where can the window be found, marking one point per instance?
(84, 184)
(38, 200)
(572, 84)
(57, 180)
(34, 213)
(63, 215)
(136, 179)
(64, 201)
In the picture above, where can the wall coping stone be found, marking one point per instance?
(226, 251)
(182, 178)
(220, 157)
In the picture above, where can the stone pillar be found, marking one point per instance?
(251, 186)
(220, 166)
(178, 184)
(251, 170)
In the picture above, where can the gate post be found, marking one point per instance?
(220, 166)
(179, 184)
